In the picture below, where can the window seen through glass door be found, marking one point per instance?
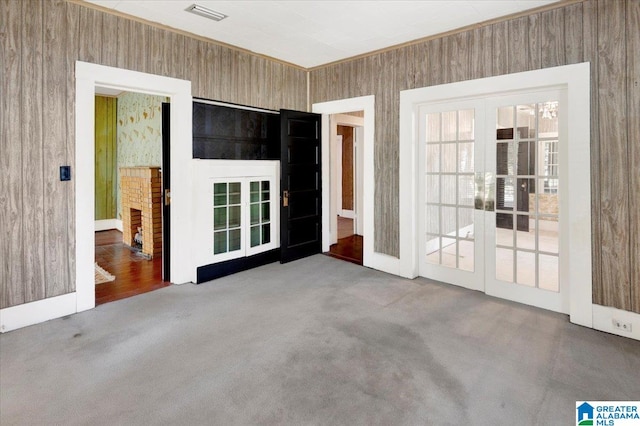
(527, 196)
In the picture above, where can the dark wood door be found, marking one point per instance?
(300, 185)
(166, 199)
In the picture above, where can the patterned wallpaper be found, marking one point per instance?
(139, 130)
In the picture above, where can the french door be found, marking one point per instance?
(489, 196)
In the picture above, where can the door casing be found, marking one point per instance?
(575, 79)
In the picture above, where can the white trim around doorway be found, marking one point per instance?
(371, 259)
(576, 80)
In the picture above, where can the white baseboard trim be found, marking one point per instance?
(382, 262)
(603, 317)
(36, 312)
(106, 224)
(349, 214)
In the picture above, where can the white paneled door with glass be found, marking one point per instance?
(489, 191)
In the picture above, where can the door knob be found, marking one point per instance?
(285, 198)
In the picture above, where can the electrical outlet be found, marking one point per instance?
(619, 325)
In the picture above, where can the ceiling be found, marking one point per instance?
(309, 33)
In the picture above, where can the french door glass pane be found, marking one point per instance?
(527, 207)
(449, 189)
(226, 217)
(260, 214)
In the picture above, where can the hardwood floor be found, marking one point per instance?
(135, 274)
(349, 245)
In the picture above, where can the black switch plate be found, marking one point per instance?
(65, 173)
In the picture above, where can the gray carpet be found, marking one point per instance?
(316, 341)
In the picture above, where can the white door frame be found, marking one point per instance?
(370, 259)
(88, 77)
(576, 80)
(355, 123)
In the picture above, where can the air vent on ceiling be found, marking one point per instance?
(207, 13)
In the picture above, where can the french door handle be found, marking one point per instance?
(285, 198)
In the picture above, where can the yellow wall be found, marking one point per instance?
(105, 157)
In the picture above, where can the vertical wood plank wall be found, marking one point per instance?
(347, 166)
(105, 157)
(603, 32)
(40, 40)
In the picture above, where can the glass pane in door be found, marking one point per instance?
(527, 207)
(449, 185)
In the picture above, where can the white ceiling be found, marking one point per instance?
(309, 33)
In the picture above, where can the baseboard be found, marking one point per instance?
(106, 224)
(349, 214)
(603, 317)
(221, 269)
(36, 312)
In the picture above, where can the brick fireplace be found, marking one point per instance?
(142, 208)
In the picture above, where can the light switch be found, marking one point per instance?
(65, 173)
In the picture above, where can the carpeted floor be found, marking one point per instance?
(316, 341)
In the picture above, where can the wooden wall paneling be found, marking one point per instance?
(552, 38)
(314, 85)
(416, 56)
(434, 64)
(590, 37)
(32, 151)
(241, 78)
(123, 29)
(224, 78)
(138, 42)
(614, 164)
(158, 52)
(176, 57)
(633, 114)
(55, 151)
(206, 60)
(319, 89)
(573, 45)
(297, 91)
(355, 79)
(481, 56)
(347, 167)
(191, 64)
(277, 77)
(11, 196)
(405, 68)
(460, 57)
(500, 48)
(517, 45)
(90, 35)
(261, 83)
(386, 157)
(109, 36)
(73, 13)
(534, 42)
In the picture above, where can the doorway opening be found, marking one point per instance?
(88, 78)
(129, 175)
(346, 166)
